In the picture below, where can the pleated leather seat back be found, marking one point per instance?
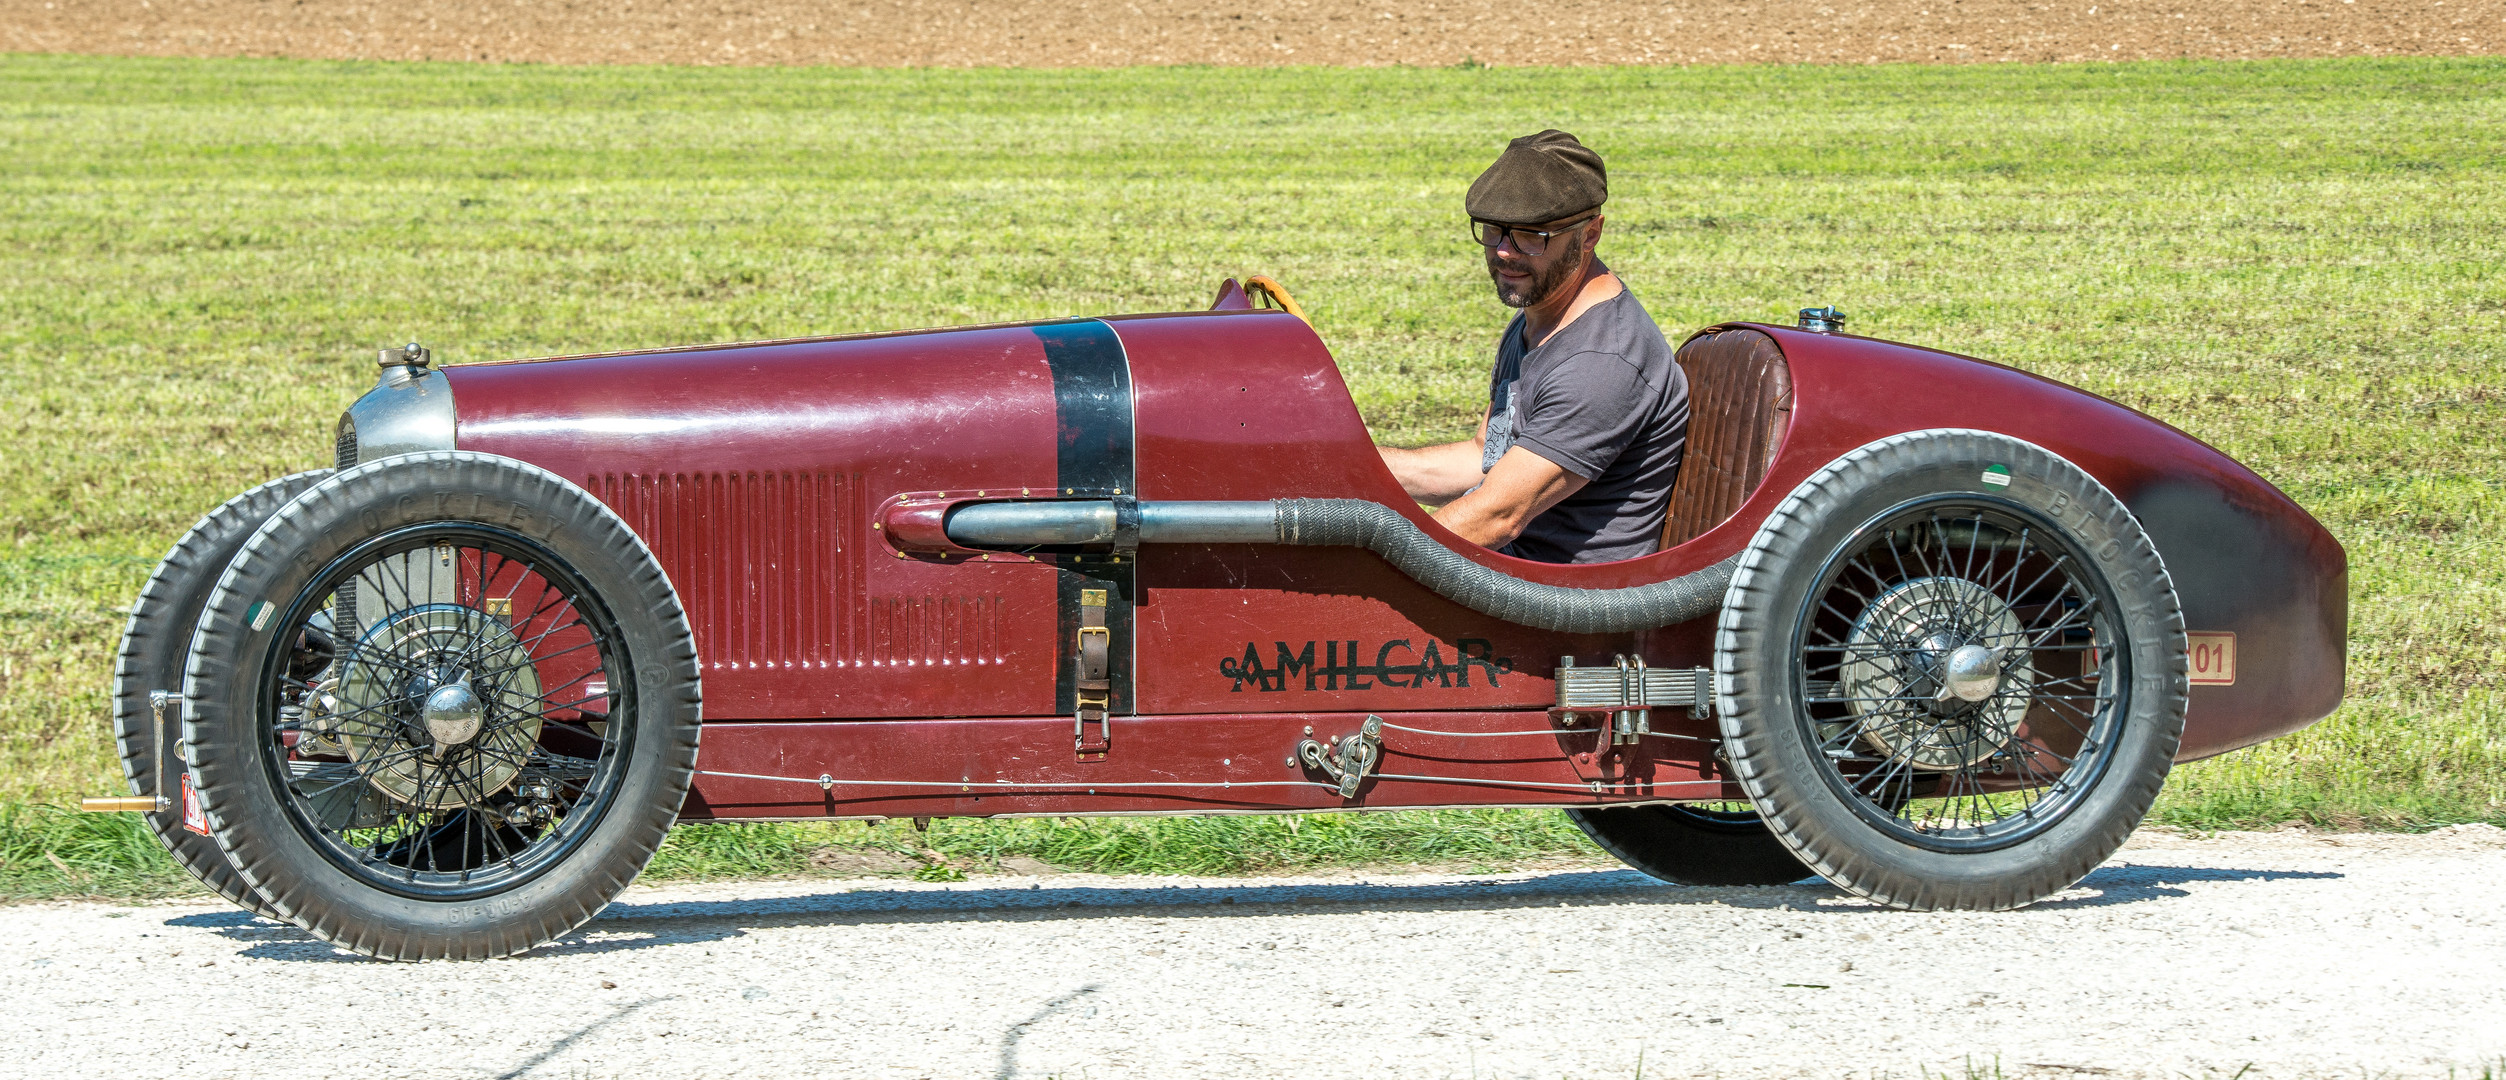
(1739, 403)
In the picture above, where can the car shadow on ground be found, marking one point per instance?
(637, 925)
(2127, 883)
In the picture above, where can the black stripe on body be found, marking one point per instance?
(1093, 458)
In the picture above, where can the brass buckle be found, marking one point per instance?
(1092, 709)
(1093, 697)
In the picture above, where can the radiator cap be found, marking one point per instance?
(405, 364)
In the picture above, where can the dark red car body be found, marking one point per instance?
(793, 491)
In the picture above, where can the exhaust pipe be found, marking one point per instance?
(1128, 523)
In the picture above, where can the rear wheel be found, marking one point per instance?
(1953, 672)
(1700, 844)
(154, 644)
(445, 705)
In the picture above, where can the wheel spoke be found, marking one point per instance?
(429, 796)
(1874, 657)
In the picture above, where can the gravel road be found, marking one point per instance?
(2255, 955)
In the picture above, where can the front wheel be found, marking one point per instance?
(1953, 672)
(155, 643)
(444, 705)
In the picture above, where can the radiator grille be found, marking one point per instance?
(344, 603)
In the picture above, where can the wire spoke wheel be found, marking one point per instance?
(1959, 664)
(447, 707)
(441, 712)
(1953, 671)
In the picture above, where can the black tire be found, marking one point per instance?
(1691, 845)
(381, 814)
(155, 643)
(1924, 766)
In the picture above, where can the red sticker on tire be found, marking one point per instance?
(193, 819)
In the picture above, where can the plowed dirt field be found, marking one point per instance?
(1105, 33)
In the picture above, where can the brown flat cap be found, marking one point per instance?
(1539, 178)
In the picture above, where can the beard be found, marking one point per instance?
(1545, 281)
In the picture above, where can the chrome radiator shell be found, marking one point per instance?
(409, 411)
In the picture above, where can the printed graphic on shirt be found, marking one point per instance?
(1500, 426)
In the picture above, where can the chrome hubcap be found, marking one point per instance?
(1972, 673)
(1922, 683)
(453, 715)
(440, 705)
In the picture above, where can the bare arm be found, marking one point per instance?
(1436, 475)
(1522, 486)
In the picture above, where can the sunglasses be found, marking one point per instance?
(1529, 241)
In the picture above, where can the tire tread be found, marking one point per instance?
(278, 862)
(1865, 864)
(160, 621)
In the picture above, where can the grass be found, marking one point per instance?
(2293, 260)
(47, 852)
(1470, 839)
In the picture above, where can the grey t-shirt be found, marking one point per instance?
(1603, 398)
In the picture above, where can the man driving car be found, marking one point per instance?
(1588, 410)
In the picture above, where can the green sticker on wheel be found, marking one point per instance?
(258, 615)
(1997, 475)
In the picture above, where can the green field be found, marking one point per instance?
(2296, 261)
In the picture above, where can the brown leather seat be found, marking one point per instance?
(1739, 403)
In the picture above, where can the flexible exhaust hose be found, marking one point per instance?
(1382, 530)
(1125, 524)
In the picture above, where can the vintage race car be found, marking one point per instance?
(1928, 627)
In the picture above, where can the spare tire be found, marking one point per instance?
(444, 705)
(155, 642)
(1952, 671)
